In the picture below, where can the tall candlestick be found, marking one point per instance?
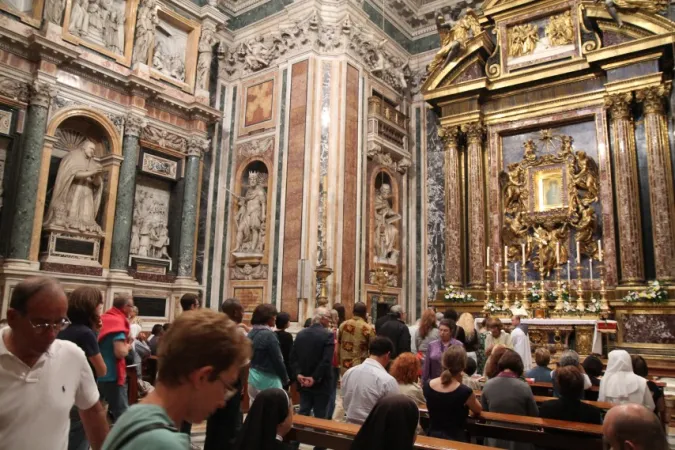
(487, 261)
(557, 253)
(600, 250)
(578, 253)
(506, 255)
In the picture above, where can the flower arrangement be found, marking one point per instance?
(654, 294)
(458, 296)
(534, 293)
(593, 306)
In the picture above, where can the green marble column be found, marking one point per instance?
(188, 226)
(124, 207)
(29, 161)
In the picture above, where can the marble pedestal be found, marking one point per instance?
(71, 248)
(145, 264)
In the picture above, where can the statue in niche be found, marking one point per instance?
(386, 231)
(206, 43)
(79, 20)
(250, 218)
(145, 31)
(78, 189)
(54, 11)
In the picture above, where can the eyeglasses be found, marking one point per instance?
(43, 327)
(228, 388)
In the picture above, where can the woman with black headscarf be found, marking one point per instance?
(391, 425)
(269, 420)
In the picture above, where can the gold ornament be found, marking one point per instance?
(453, 38)
(560, 29)
(522, 39)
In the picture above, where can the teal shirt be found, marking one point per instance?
(108, 352)
(263, 380)
(140, 415)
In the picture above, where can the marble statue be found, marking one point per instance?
(158, 56)
(250, 218)
(145, 31)
(159, 241)
(149, 232)
(113, 32)
(206, 42)
(96, 19)
(54, 11)
(76, 197)
(79, 20)
(386, 231)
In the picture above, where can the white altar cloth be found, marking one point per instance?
(597, 336)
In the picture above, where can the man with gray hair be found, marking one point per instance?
(311, 363)
(632, 426)
(397, 331)
(570, 358)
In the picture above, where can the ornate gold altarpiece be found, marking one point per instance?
(555, 119)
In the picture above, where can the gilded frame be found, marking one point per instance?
(129, 27)
(193, 30)
(537, 177)
(620, 313)
(529, 18)
(33, 19)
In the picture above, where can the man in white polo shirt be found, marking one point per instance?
(41, 378)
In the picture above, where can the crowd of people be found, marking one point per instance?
(63, 376)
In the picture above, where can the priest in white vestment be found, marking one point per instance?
(521, 342)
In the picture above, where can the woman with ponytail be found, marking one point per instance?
(448, 400)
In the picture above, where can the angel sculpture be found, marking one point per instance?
(587, 178)
(515, 229)
(512, 183)
(648, 6)
(453, 38)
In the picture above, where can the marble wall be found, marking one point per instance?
(435, 208)
(648, 328)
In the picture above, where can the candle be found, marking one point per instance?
(600, 250)
(590, 267)
(487, 261)
(557, 253)
(578, 253)
(568, 272)
(496, 274)
(515, 272)
(522, 247)
(506, 256)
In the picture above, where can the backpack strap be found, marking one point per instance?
(144, 429)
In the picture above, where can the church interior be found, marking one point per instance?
(490, 156)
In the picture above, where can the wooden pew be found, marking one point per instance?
(546, 433)
(605, 406)
(132, 384)
(339, 436)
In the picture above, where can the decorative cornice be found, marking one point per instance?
(42, 93)
(164, 138)
(619, 105)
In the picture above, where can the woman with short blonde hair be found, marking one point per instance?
(471, 344)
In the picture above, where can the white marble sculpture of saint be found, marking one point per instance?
(385, 230)
(79, 19)
(251, 217)
(96, 20)
(76, 197)
(158, 56)
(114, 31)
(159, 238)
(54, 10)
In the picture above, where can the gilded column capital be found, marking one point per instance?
(619, 105)
(197, 146)
(474, 132)
(449, 136)
(134, 124)
(653, 98)
(42, 93)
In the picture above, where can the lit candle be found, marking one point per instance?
(557, 253)
(568, 272)
(506, 256)
(578, 253)
(487, 261)
(600, 250)
(515, 272)
(496, 274)
(522, 247)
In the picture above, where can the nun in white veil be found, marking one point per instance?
(621, 385)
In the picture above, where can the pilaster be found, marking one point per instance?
(476, 198)
(453, 195)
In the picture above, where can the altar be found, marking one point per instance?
(555, 334)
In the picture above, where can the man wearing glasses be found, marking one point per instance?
(41, 378)
(115, 346)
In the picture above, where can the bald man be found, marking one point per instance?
(633, 427)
